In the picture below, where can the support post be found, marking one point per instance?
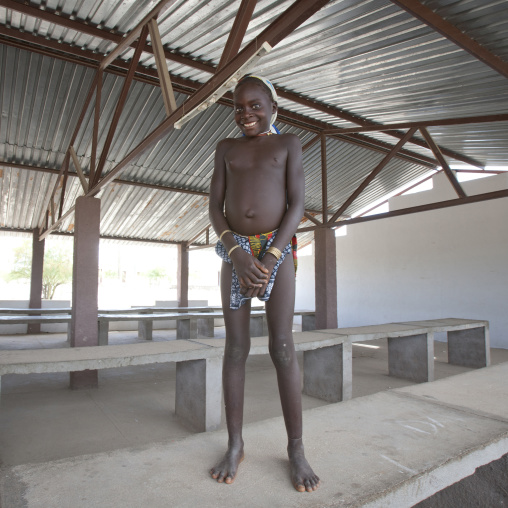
(412, 357)
(36, 278)
(325, 278)
(469, 348)
(183, 275)
(327, 372)
(85, 281)
(198, 393)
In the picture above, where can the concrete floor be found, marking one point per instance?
(42, 420)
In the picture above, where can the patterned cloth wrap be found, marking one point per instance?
(255, 246)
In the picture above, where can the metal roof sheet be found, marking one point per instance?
(368, 58)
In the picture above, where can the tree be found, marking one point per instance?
(156, 275)
(57, 267)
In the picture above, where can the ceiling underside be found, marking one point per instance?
(352, 63)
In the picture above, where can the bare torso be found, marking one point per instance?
(255, 198)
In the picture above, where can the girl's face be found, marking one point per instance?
(253, 109)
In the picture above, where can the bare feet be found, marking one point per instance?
(225, 470)
(302, 475)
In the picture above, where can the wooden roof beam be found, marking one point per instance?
(373, 175)
(429, 123)
(186, 86)
(203, 66)
(237, 32)
(452, 33)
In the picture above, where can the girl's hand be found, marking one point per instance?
(252, 273)
(269, 262)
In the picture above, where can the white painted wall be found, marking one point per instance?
(443, 263)
(305, 288)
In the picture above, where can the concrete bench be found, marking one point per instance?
(198, 371)
(327, 368)
(411, 344)
(308, 319)
(205, 322)
(32, 312)
(189, 324)
(327, 362)
(327, 372)
(35, 319)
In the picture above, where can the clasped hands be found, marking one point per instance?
(253, 274)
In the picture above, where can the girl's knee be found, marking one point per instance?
(282, 354)
(236, 353)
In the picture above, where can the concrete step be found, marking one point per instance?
(392, 449)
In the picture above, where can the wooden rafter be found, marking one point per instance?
(477, 198)
(312, 218)
(119, 107)
(435, 151)
(503, 117)
(134, 34)
(65, 177)
(79, 171)
(195, 237)
(162, 68)
(310, 143)
(439, 156)
(451, 32)
(163, 188)
(284, 115)
(237, 32)
(63, 20)
(293, 17)
(373, 174)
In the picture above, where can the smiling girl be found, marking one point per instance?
(256, 203)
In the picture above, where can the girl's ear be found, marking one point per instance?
(274, 107)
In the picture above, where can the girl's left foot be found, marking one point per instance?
(302, 475)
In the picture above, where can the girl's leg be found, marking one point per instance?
(233, 378)
(279, 311)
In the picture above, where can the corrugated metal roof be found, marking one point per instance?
(368, 58)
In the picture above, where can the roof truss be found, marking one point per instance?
(230, 62)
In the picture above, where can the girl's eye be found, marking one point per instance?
(255, 106)
(238, 110)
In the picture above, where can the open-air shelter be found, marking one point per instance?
(111, 111)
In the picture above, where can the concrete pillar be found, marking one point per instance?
(206, 327)
(412, 357)
(187, 328)
(199, 392)
(85, 282)
(469, 348)
(258, 326)
(36, 278)
(328, 372)
(325, 278)
(308, 322)
(183, 276)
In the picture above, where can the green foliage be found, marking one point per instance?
(156, 275)
(22, 263)
(57, 267)
(110, 274)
